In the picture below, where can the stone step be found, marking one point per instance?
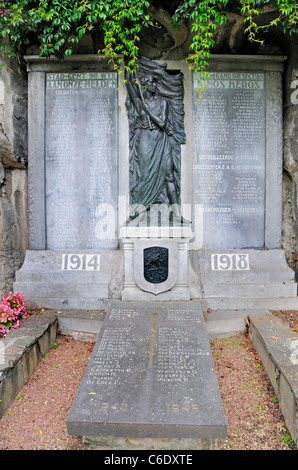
(82, 325)
(86, 324)
(227, 323)
(270, 303)
(262, 290)
(248, 277)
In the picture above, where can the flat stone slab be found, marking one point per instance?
(151, 374)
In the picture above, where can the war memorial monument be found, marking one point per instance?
(156, 207)
(160, 209)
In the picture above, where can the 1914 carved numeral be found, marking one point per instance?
(76, 262)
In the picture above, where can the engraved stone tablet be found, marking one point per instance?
(81, 160)
(151, 374)
(229, 165)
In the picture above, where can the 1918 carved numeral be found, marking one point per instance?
(229, 262)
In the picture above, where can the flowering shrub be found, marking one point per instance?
(12, 310)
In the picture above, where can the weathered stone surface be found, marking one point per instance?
(290, 174)
(13, 192)
(13, 115)
(151, 374)
(81, 325)
(13, 226)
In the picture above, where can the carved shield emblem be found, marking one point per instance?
(156, 264)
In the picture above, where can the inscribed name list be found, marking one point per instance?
(81, 160)
(151, 369)
(229, 163)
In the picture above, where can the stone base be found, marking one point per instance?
(135, 294)
(169, 232)
(81, 325)
(267, 283)
(46, 280)
(241, 279)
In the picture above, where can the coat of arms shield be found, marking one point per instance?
(155, 265)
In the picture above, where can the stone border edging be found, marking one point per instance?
(277, 347)
(21, 351)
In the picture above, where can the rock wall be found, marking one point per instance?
(13, 174)
(290, 174)
(158, 43)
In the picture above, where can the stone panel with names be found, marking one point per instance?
(151, 374)
(81, 160)
(229, 163)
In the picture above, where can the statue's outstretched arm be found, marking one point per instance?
(132, 91)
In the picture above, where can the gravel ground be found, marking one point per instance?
(254, 419)
(37, 418)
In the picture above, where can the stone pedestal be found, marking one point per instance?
(174, 285)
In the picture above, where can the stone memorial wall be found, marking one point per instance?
(229, 165)
(78, 176)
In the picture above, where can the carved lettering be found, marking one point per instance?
(229, 165)
(81, 160)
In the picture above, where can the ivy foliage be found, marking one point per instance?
(207, 15)
(61, 24)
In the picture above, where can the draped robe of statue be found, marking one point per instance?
(156, 126)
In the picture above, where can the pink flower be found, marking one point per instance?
(12, 309)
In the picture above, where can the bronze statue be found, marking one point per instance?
(156, 124)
